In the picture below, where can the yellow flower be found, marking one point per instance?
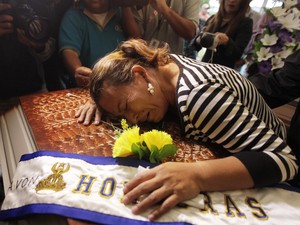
(157, 138)
(122, 146)
(124, 124)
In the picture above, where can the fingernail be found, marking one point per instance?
(151, 217)
(134, 209)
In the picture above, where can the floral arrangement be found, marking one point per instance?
(280, 37)
(153, 145)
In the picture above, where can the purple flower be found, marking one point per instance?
(285, 36)
(276, 48)
(265, 67)
(274, 25)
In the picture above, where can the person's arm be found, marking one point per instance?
(171, 183)
(184, 27)
(74, 67)
(71, 37)
(129, 23)
(240, 121)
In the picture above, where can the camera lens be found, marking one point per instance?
(35, 27)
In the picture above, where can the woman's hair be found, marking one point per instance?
(115, 67)
(215, 22)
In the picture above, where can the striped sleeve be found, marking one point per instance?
(218, 104)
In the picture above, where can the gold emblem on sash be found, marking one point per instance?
(54, 181)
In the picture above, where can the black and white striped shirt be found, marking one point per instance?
(217, 104)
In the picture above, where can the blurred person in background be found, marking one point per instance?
(27, 42)
(164, 21)
(226, 34)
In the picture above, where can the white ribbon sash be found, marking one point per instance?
(91, 188)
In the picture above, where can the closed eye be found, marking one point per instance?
(122, 107)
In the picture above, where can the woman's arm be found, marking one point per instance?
(240, 121)
(171, 183)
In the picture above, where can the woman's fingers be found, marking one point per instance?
(138, 186)
(97, 119)
(148, 190)
(169, 203)
(89, 115)
(150, 200)
(85, 114)
(80, 113)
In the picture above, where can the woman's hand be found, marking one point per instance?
(165, 186)
(87, 112)
(37, 46)
(222, 38)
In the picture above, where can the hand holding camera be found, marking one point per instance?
(38, 46)
(36, 28)
(211, 40)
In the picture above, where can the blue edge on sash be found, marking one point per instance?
(87, 215)
(76, 213)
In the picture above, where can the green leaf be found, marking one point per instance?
(167, 151)
(145, 152)
(154, 155)
(136, 150)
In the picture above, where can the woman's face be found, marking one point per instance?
(134, 102)
(232, 6)
(96, 6)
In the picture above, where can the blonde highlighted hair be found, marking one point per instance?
(115, 68)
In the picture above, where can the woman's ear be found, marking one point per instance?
(138, 70)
